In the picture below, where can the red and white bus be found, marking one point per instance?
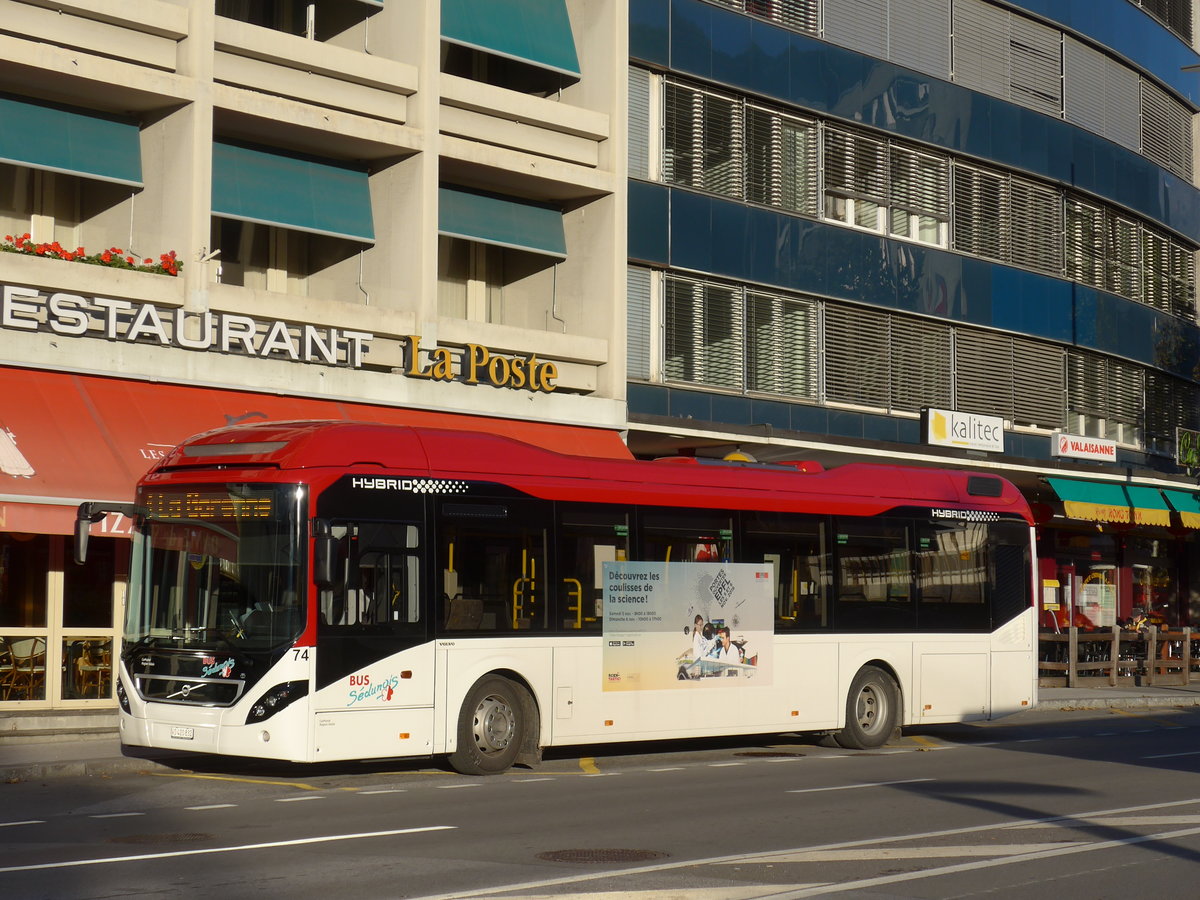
(315, 591)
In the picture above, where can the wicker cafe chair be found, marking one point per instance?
(8, 670)
(29, 667)
(93, 667)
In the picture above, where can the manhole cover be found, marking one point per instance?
(601, 856)
(179, 837)
(769, 754)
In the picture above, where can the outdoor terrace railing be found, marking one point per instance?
(1078, 658)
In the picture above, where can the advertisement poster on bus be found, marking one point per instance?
(685, 625)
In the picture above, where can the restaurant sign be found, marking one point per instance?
(125, 321)
(1187, 448)
(1078, 447)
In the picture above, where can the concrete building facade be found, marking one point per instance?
(939, 232)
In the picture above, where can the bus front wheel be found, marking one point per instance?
(872, 707)
(491, 728)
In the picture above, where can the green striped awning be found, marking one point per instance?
(503, 221)
(537, 32)
(1107, 501)
(1187, 504)
(76, 142)
(274, 188)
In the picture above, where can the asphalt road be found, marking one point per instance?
(1046, 805)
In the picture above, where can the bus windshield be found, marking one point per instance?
(217, 566)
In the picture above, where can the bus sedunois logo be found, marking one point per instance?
(410, 485)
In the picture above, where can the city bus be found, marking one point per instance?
(318, 591)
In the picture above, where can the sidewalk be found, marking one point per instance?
(100, 756)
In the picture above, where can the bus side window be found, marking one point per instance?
(588, 536)
(875, 575)
(376, 578)
(686, 535)
(491, 556)
(796, 548)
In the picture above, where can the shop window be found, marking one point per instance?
(796, 548)
(22, 667)
(874, 576)
(488, 283)
(24, 562)
(588, 537)
(491, 560)
(88, 589)
(283, 260)
(87, 667)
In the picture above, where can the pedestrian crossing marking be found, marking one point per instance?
(889, 853)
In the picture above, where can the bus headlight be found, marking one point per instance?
(122, 698)
(277, 698)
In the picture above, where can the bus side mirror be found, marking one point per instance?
(83, 527)
(324, 554)
(89, 513)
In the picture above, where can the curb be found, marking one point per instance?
(1068, 703)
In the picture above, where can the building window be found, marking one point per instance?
(1105, 397)
(855, 179)
(781, 160)
(704, 328)
(782, 346)
(487, 283)
(920, 196)
(283, 260)
(52, 206)
(702, 138)
(319, 20)
(1175, 14)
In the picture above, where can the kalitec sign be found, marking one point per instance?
(72, 315)
(1079, 447)
(947, 428)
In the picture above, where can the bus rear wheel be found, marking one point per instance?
(872, 707)
(491, 727)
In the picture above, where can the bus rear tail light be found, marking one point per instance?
(277, 698)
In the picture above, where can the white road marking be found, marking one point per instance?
(805, 856)
(1171, 755)
(26, 822)
(762, 857)
(851, 787)
(385, 791)
(116, 815)
(863, 883)
(72, 863)
(669, 769)
(1125, 821)
(529, 780)
(298, 799)
(450, 787)
(724, 765)
(213, 806)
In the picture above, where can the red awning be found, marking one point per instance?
(68, 438)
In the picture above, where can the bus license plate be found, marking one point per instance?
(183, 732)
